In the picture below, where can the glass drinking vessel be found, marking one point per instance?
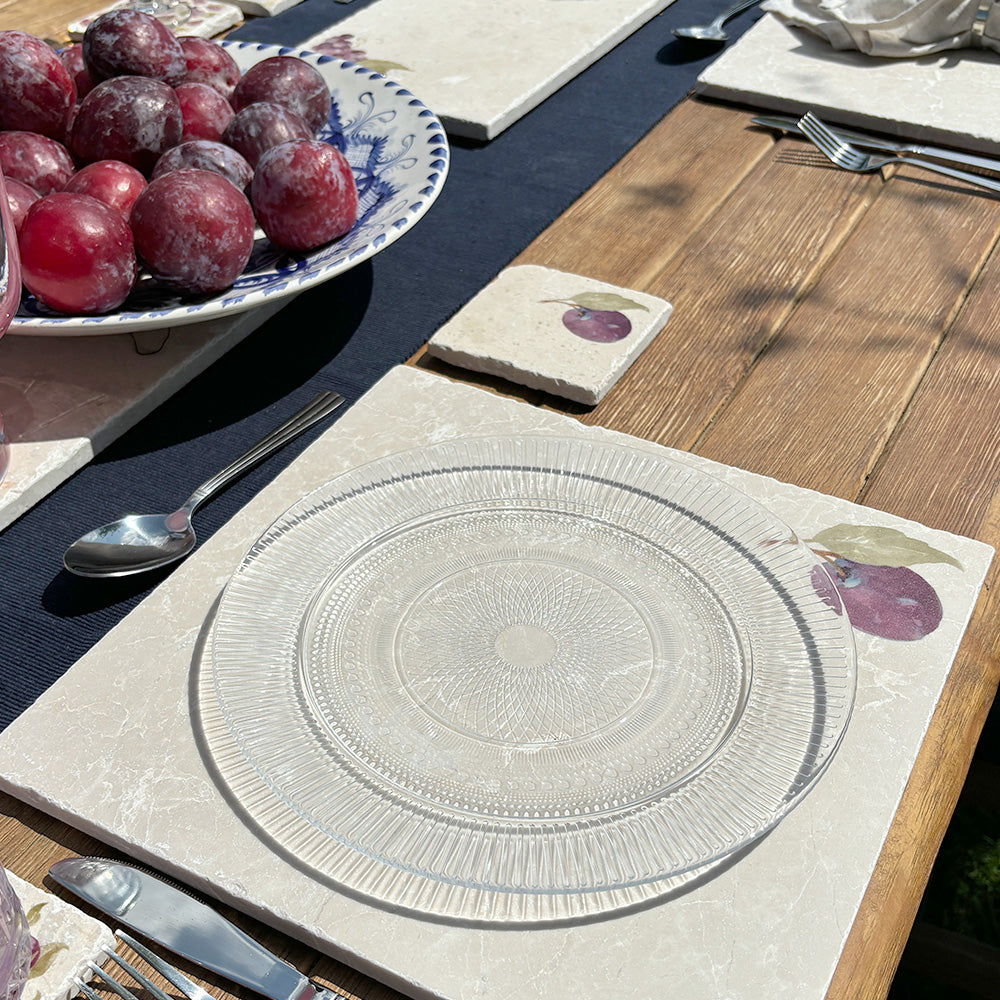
(15, 942)
(10, 291)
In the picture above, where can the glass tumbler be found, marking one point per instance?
(10, 291)
(15, 942)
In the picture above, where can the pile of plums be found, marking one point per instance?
(136, 149)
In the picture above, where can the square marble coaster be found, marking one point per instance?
(132, 766)
(789, 69)
(67, 938)
(480, 66)
(563, 333)
(265, 8)
(208, 18)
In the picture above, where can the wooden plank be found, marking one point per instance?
(756, 254)
(949, 436)
(880, 931)
(605, 233)
(733, 285)
(950, 433)
(668, 185)
(48, 19)
(825, 396)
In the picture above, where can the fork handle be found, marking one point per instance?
(961, 175)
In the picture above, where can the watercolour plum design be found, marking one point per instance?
(42, 955)
(598, 316)
(866, 573)
(342, 47)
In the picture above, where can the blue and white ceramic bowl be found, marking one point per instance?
(399, 154)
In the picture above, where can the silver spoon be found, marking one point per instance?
(714, 32)
(139, 542)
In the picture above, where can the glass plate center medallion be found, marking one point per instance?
(514, 644)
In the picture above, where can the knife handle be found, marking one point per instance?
(175, 920)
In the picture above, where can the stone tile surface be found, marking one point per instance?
(63, 399)
(563, 333)
(131, 765)
(67, 938)
(208, 18)
(479, 66)
(788, 69)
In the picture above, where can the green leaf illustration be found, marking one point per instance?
(45, 959)
(34, 913)
(384, 66)
(879, 546)
(610, 301)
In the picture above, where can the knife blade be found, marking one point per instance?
(788, 123)
(186, 926)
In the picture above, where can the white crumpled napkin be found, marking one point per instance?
(896, 28)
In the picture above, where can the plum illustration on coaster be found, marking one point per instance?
(563, 333)
(599, 316)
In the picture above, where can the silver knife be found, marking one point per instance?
(785, 123)
(172, 919)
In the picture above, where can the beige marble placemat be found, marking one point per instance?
(482, 65)
(789, 69)
(112, 749)
(68, 940)
(64, 399)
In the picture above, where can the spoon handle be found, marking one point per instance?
(315, 410)
(734, 10)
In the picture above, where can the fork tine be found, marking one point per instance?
(857, 160)
(139, 977)
(121, 990)
(175, 977)
(831, 145)
(86, 990)
(821, 136)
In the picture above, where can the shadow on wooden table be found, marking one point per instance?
(953, 952)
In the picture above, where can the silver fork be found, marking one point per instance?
(175, 977)
(849, 157)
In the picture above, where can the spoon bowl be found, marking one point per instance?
(132, 544)
(703, 32)
(137, 543)
(714, 31)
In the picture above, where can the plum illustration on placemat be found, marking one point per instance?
(342, 47)
(598, 316)
(868, 575)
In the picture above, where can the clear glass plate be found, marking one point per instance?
(523, 679)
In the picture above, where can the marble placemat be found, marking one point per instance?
(68, 940)
(481, 66)
(113, 748)
(64, 399)
(789, 69)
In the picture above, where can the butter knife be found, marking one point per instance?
(783, 123)
(177, 921)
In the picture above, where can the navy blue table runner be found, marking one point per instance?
(342, 335)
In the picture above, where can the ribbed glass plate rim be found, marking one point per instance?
(778, 746)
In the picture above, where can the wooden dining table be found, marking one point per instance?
(832, 330)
